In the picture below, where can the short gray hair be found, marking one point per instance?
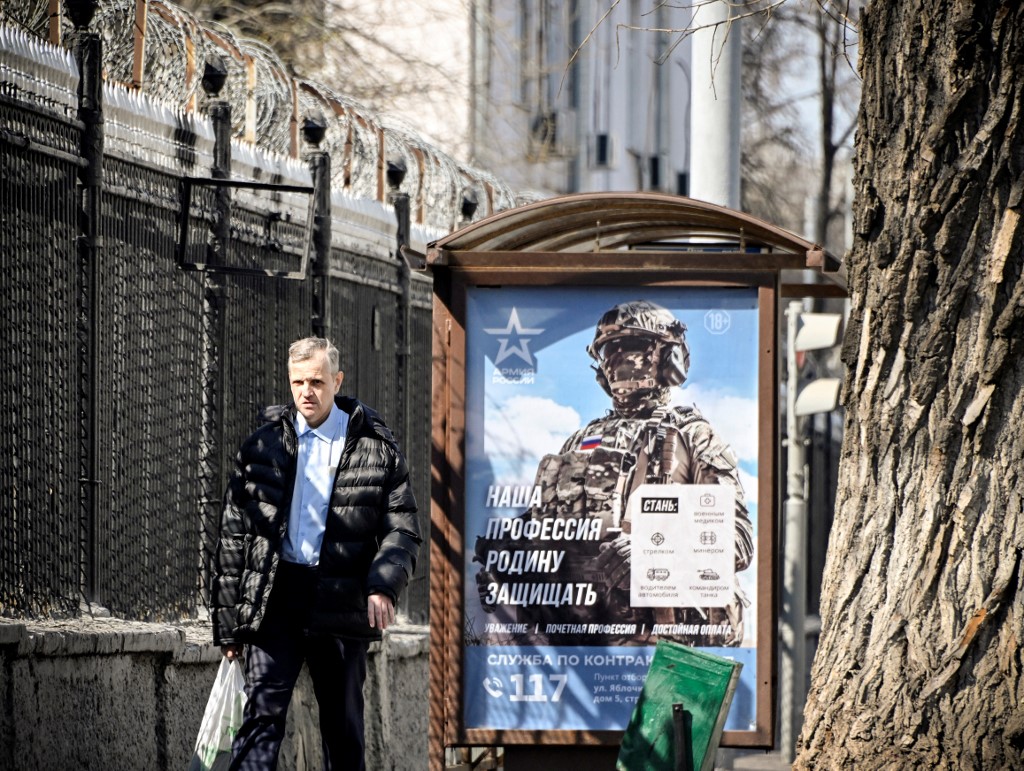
(308, 347)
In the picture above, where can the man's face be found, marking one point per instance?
(314, 387)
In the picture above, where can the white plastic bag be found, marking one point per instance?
(221, 720)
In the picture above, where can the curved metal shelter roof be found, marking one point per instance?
(617, 223)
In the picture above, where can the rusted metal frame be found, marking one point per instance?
(634, 224)
(446, 496)
(596, 277)
(576, 222)
(294, 144)
(192, 104)
(670, 258)
(249, 127)
(447, 600)
(55, 21)
(617, 260)
(767, 523)
(477, 236)
(139, 43)
(633, 233)
(633, 206)
(813, 290)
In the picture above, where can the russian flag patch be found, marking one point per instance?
(591, 442)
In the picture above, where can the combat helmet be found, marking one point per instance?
(649, 322)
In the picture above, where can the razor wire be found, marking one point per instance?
(177, 46)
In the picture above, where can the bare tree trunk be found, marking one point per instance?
(920, 661)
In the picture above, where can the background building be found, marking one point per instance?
(577, 97)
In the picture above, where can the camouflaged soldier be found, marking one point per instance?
(641, 354)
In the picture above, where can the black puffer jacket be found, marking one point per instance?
(370, 542)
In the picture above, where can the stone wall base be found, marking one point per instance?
(112, 695)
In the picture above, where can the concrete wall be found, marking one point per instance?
(109, 695)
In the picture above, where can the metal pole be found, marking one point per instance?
(715, 106)
(314, 129)
(794, 606)
(320, 167)
(213, 469)
(404, 333)
(401, 203)
(88, 52)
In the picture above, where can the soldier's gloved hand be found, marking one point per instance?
(483, 545)
(483, 580)
(614, 562)
(484, 577)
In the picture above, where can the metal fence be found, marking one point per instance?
(131, 378)
(39, 423)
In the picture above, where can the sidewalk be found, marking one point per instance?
(750, 760)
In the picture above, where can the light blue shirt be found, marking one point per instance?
(318, 456)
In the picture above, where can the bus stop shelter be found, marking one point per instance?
(516, 297)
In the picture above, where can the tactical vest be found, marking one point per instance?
(593, 475)
(594, 472)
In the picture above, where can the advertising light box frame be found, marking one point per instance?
(515, 657)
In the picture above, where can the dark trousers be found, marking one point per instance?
(273, 660)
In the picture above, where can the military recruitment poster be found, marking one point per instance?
(611, 497)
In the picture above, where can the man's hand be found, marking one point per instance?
(380, 611)
(231, 652)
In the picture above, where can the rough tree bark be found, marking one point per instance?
(920, 662)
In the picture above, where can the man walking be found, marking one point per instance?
(318, 538)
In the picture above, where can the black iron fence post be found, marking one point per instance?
(88, 52)
(215, 74)
(314, 127)
(400, 201)
(395, 175)
(213, 471)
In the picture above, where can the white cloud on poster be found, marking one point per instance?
(749, 483)
(734, 418)
(525, 428)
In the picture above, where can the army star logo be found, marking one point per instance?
(514, 329)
